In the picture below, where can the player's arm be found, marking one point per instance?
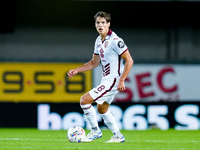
(128, 65)
(94, 62)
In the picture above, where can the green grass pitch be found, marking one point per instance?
(33, 139)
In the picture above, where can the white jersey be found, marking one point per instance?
(110, 51)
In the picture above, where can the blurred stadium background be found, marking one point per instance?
(40, 40)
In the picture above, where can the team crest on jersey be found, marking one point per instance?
(106, 44)
(121, 44)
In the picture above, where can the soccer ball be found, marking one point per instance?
(76, 134)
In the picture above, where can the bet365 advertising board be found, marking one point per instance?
(129, 116)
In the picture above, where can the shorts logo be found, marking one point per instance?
(95, 92)
(121, 44)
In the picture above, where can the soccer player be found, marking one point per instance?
(111, 51)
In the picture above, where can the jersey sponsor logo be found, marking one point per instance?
(121, 44)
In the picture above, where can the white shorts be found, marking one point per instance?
(105, 91)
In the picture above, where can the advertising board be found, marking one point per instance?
(42, 82)
(129, 116)
(159, 82)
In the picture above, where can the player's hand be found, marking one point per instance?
(71, 73)
(121, 86)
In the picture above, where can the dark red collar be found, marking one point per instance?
(109, 32)
(107, 36)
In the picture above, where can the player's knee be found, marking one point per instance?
(102, 110)
(85, 100)
(82, 100)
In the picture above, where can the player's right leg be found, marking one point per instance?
(90, 115)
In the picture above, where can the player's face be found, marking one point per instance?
(102, 26)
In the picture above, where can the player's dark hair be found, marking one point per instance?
(103, 15)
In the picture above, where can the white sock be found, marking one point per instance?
(109, 120)
(90, 115)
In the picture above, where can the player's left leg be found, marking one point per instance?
(90, 115)
(111, 123)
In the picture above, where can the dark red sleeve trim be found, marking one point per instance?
(123, 52)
